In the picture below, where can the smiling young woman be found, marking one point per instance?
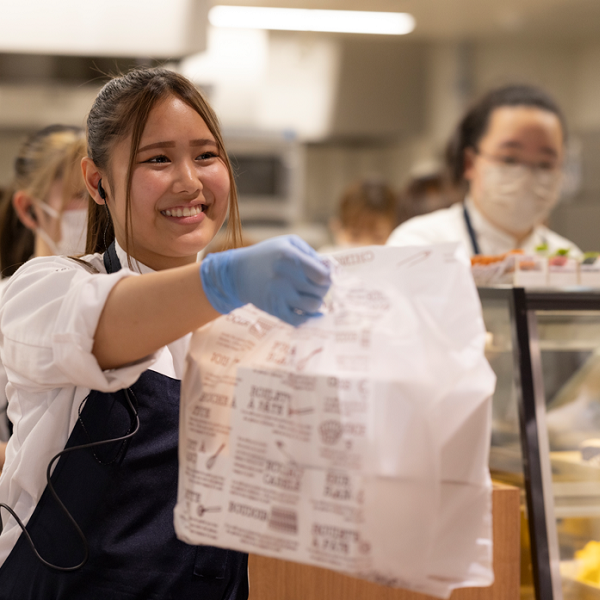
(95, 350)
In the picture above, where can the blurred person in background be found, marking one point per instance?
(366, 215)
(428, 189)
(507, 152)
(42, 212)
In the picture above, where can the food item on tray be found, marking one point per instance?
(589, 563)
(484, 259)
(494, 269)
(528, 265)
(590, 258)
(590, 449)
(558, 261)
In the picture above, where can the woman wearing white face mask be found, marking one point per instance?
(71, 222)
(507, 151)
(43, 212)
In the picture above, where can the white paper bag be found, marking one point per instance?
(356, 442)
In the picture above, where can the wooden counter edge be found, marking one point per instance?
(274, 579)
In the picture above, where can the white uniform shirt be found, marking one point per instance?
(448, 225)
(4, 432)
(48, 317)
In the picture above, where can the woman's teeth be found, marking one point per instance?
(188, 211)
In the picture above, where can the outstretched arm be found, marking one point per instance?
(282, 276)
(143, 314)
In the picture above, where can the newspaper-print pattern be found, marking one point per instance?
(357, 442)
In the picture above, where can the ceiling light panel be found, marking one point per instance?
(299, 19)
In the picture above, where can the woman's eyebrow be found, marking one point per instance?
(517, 145)
(203, 142)
(199, 142)
(157, 145)
(511, 144)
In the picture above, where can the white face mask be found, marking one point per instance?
(517, 197)
(73, 230)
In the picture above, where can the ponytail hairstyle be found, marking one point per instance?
(52, 153)
(121, 109)
(474, 124)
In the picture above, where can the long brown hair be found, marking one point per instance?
(122, 108)
(52, 153)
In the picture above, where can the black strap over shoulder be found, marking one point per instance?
(472, 234)
(111, 260)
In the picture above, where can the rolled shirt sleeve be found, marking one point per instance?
(48, 318)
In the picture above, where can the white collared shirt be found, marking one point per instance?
(448, 225)
(4, 427)
(48, 317)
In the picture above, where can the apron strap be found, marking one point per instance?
(472, 234)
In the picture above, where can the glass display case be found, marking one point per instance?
(545, 350)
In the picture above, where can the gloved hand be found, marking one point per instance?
(282, 276)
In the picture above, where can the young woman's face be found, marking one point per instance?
(179, 188)
(514, 174)
(519, 134)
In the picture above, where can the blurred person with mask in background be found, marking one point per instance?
(42, 212)
(507, 152)
(428, 189)
(367, 213)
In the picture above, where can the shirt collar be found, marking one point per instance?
(135, 264)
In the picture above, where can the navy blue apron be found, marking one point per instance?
(122, 495)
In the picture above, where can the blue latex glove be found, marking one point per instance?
(282, 276)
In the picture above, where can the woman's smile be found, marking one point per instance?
(186, 214)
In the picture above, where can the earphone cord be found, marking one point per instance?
(60, 502)
(106, 226)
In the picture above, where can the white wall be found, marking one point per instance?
(10, 142)
(586, 103)
(550, 64)
(426, 84)
(269, 81)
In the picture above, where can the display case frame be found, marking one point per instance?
(524, 307)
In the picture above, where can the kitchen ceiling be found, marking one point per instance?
(178, 31)
(451, 19)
